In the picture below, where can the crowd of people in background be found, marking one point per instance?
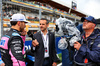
(9, 10)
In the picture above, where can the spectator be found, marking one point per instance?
(88, 51)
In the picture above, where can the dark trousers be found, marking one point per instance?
(46, 62)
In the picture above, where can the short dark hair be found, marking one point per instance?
(13, 23)
(45, 19)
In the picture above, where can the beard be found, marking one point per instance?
(21, 29)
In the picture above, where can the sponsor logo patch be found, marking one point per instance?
(2, 42)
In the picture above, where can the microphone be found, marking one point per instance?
(30, 34)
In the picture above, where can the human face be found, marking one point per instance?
(43, 25)
(22, 26)
(88, 25)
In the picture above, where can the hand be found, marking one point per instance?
(2, 64)
(23, 33)
(54, 64)
(77, 45)
(35, 43)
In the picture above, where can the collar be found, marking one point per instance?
(46, 33)
(94, 34)
(15, 30)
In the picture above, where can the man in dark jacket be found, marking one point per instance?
(44, 46)
(88, 51)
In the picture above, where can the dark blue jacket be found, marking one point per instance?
(89, 49)
(79, 27)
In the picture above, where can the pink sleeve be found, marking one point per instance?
(15, 61)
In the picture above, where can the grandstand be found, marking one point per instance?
(34, 10)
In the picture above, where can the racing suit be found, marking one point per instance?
(89, 52)
(12, 48)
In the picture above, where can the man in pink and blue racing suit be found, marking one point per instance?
(12, 44)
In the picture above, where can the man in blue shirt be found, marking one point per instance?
(88, 51)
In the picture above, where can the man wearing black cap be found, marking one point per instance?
(88, 50)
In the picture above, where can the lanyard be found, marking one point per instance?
(45, 40)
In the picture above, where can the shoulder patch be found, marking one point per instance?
(15, 34)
